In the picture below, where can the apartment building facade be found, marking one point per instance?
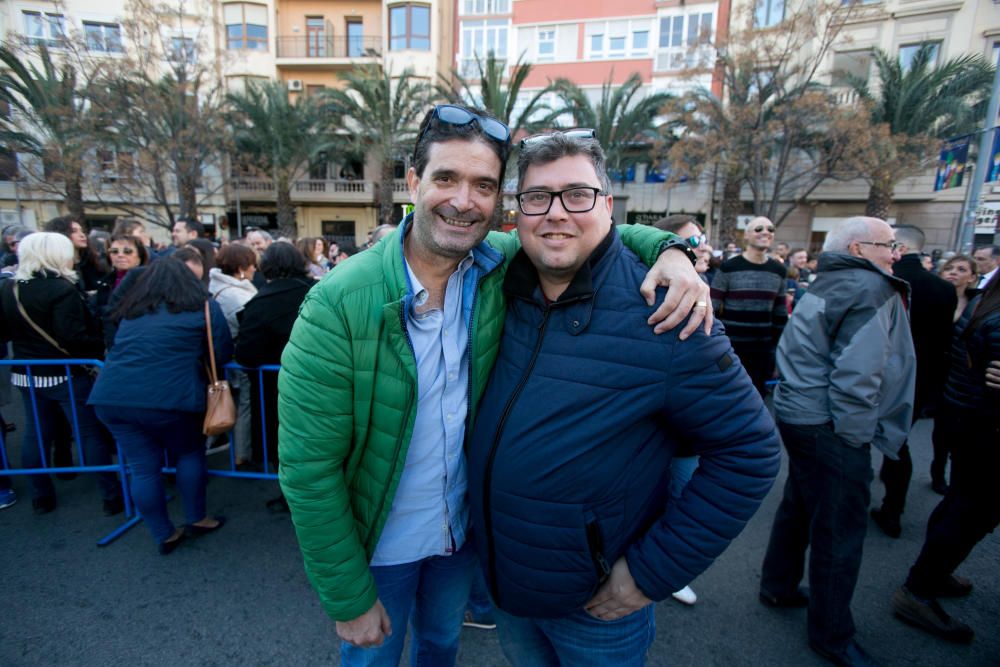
(671, 45)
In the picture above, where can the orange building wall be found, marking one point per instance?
(533, 11)
(591, 73)
(294, 13)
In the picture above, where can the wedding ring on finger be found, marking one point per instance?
(701, 304)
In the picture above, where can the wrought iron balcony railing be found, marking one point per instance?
(324, 46)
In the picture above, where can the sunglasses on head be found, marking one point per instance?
(455, 115)
(579, 133)
(759, 228)
(125, 251)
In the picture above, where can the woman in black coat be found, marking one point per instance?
(970, 416)
(88, 264)
(44, 288)
(265, 325)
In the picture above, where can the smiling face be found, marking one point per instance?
(124, 255)
(959, 273)
(454, 199)
(558, 242)
(876, 248)
(759, 234)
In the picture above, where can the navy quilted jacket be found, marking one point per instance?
(569, 460)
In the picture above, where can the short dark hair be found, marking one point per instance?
(192, 226)
(126, 226)
(283, 260)
(231, 258)
(433, 131)
(168, 282)
(557, 146)
(911, 236)
(994, 249)
(672, 223)
(208, 252)
(136, 243)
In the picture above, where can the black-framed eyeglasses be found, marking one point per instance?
(891, 245)
(456, 115)
(125, 251)
(574, 200)
(759, 228)
(578, 133)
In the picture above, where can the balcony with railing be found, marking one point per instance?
(323, 49)
(312, 190)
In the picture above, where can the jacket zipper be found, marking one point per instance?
(596, 545)
(399, 438)
(488, 475)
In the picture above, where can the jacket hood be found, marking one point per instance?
(218, 280)
(840, 261)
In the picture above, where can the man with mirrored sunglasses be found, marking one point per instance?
(380, 381)
(748, 292)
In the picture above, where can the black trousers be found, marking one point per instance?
(896, 475)
(825, 509)
(971, 508)
(758, 360)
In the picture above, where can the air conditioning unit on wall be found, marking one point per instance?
(295, 85)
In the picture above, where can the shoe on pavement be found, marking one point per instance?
(7, 498)
(927, 614)
(850, 656)
(686, 596)
(797, 600)
(113, 507)
(887, 523)
(953, 587)
(43, 505)
(481, 621)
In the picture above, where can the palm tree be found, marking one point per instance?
(381, 115)
(277, 137)
(625, 124)
(51, 119)
(913, 106)
(496, 92)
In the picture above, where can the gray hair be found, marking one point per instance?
(840, 238)
(557, 146)
(45, 251)
(264, 235)
(911, 236)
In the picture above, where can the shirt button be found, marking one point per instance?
(452, 377)
(576, 323)
(451, 415)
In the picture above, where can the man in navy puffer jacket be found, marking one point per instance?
(569, 460)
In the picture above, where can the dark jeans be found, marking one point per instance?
(758, 360)
(824, 508)
(145, 437)
(52, 403)
(896, 475)
(971, 508)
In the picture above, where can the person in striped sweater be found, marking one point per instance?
(748, 295)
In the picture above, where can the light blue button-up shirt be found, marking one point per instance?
(430, 511)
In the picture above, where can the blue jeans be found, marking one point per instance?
(824, 509)
(429, 595)
(145, 436)
(96, 446)
(577, 639)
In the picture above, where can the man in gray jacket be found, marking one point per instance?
(848, 373)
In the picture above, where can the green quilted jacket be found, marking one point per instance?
(347, 402)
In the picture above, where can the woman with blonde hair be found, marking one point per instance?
(46, 317)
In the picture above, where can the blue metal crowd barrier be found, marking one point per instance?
(122, 467)
(46, 469)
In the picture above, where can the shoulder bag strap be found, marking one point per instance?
(212, 376)
(41, 331)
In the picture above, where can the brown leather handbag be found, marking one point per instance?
(220, 410)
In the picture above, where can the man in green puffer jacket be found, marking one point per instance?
(380, 380)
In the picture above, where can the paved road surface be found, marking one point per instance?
(240, 597)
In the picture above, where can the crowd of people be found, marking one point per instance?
(543, 432)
